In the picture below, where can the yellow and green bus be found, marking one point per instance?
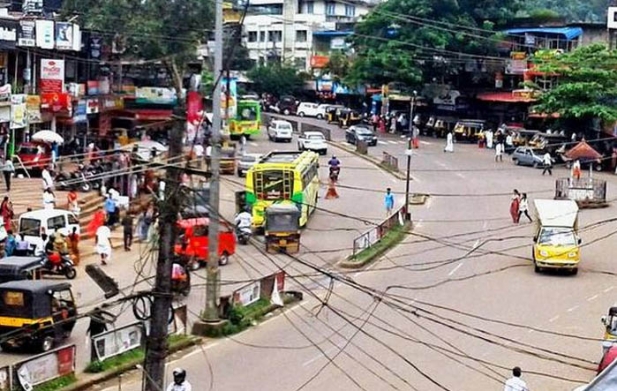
(248, 119)
(281, 177)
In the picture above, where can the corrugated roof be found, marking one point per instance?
(568, 32)
(557, 213)
(331, 33)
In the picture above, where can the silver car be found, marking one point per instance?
(526, 156)
(247, 161)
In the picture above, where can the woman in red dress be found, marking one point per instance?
(516, 198)
(6, 210)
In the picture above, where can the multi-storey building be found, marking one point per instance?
(299, 32)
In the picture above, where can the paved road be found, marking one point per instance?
(326, 240)
(464, 258)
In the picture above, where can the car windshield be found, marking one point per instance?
(284, 127)
(31, 227)
(28, 150)
(364, 131)
(557, 237)
(248, 159)
(315, 137)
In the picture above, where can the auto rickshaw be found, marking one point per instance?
(610, 324)
(20, 268)
(332, 114)
(35, 314)
(282, 228)
(348, 118)
(228, 159)
(469, 130)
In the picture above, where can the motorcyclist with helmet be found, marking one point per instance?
(244, 222)
(335, 168)
(180, 383)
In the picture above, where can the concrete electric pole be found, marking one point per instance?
(212, 273)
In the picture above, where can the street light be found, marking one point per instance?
(409, 152)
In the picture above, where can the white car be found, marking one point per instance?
(307, 109)
(313, 141)
(280, 130)
(247, 161)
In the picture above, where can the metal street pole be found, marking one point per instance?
(409, 152)
(212, 271)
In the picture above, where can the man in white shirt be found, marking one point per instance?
(547, 160)
(208, 156)
(515, 383)
(48, 182)
(103, 243)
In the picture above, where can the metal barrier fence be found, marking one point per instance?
(584, 191)
(389, 161)
(375, 234)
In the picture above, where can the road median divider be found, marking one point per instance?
(378, 240)
(369, 158)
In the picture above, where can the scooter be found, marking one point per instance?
(244, 234)
(334, 173)
(65, 267)
(180, 280)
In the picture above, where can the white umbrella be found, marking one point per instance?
(47, 136)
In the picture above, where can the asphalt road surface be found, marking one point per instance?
(454, 307)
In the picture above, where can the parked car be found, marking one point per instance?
(307, 109)
(526, 156)
(280, 130)
(322, 110)
(313, 141)
(247, 161)
(287, 105)
(362, 133)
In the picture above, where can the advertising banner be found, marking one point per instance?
(45, 34)
(52, 76)
(44, 367)
(230, 96)
(248, 294)
(155, 95)
(64, 36)
(55, 102)
(118, 341)
(32, 7)
(18, 111)
(8, 33)
(5, 93)
(92, 106)
(33, 109)
(26, 34)
(194, 114)
(81, 111)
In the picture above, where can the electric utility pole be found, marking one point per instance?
(409, 152)
(156, 343)
(212, 271)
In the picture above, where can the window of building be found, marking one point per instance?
(271, 9)
(301, 35)
(275, 36)
(330, 8)
(252, 36)
(350, 10)
(310, 7)
(262, 36)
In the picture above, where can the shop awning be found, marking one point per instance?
(147, 114)
(505, 97)
(569, 33)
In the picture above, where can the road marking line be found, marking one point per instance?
(458, 174)
(382, 142)
(327, 352)
(476, 244)
(592, 298)
(484, 225)
(572, 308)
(554, 318)
(442, 164)
(254, 144)
(393, 142)
(455, 269)
(610, 288)
(530, 331)
(425, 143)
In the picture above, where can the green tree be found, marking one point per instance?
(338, 65)
(165, 30)
(586, 88)
(276, 79)
(571, 10)
(405, 40)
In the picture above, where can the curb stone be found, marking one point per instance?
(347, 263)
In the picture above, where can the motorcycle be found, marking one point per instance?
(180, 280)
(243, 234)
(334, 173)
(65, 267)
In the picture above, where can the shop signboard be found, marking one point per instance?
(18, 111)
(45, 34)
(32, 7)
(81, 112)
(319, 61)
(5, 93)
(93, 87)
(26, 34)
(44, 367)
(52, 76)
(114, 342)
(157, 95)
(230, 97)
(92, 106)
(56, 102)
(33, 109)
(64, 36)
(8, 33)
(109, 103)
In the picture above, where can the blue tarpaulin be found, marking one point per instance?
(569, 33)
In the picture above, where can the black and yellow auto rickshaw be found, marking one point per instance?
(228, 159)
(332, 113)
(282, 228)
(35, 314)
(470, 130)
(20, 268)
(348, 118)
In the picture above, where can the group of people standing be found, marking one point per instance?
(519, 206)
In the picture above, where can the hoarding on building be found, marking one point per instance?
(33, 109)
(156, 95)
(26, 34)
(64, 36)
(52, 76)
(18, 111)
(45, 34)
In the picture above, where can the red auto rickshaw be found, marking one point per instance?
(192, 245)
(35, 155)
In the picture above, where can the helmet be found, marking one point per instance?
(179, 376)
(333, 156)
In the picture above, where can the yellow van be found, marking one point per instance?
(556, 241)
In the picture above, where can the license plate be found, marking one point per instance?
(283, 242)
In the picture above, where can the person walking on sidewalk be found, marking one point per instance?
(515, 383)
(102, 239)
(547, 161)
(74, 246)
(127, 230)
(49, 199)
(449, 143)
(7, 170)
(389, 202)
(523, 208)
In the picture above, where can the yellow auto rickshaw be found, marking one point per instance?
(469, 130)
(348, 118)
(228, 159)
(282, 228)
(610, 324)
